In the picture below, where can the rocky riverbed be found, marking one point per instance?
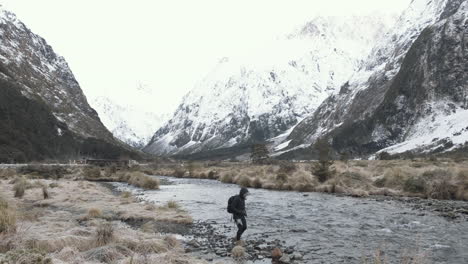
(315, 227)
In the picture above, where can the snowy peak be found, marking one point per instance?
(263, 96)
(405, 76)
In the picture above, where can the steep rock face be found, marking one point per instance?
(27, 59)
(239, 103)
(417, 91)
(43, 112)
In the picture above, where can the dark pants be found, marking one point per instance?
(241, 225)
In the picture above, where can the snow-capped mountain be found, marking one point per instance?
(411, 94)
(264, 96)
(128, 123)
(45, 98)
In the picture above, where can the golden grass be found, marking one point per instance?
(441, 179)
(91, 172)
(104, 234)
(7, 217)
(142, 180)
(238, 252)
(94, 213)
(173, 205)
(20, 187)
(126, 194)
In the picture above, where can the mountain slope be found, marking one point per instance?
(241, 102)
(43, 82)
(412, 90)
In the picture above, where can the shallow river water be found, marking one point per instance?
(323, 228)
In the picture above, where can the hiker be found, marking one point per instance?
(236, 206)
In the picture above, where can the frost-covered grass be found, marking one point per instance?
(438, 179)
(58, 230)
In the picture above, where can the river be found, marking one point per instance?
(323, 228)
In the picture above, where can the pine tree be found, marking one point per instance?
(259, 153)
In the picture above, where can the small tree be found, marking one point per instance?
(259, 154)
(322, 169)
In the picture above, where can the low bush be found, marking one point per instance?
(173, 205)
(441, 189)
(415, 185)
(179, 173)
(7, 173)
(91, 172)
(243, 181)
(44, 171)
(282, 177)
(286, 167)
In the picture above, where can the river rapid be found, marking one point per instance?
(315, 227)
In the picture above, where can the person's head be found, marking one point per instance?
(243, 193)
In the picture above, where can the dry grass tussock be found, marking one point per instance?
(140, 180)
(7, 173)
(438, 179)
(59, 232)
(94, 213)
(7, 217)
(238, 252)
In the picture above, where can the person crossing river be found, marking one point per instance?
(236, 206)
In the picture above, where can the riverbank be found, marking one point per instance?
(71, 220)
(442, 179)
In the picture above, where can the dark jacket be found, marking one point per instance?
(238, 204)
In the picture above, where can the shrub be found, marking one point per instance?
(243, 181)
(20, 187)
(282, 177)
(286, 167)
(26, 256)
(179, 173)
(104, 234)
(212, 175)
(323, 170)
(7, 217)
(441, 189)
(91, 172)
(141, 180)
(384, 156)
(94, 213)
(256, 183)
(227, 177)
(126, 194)
(172, 204)
(437, 174)
(172, 241)
(44, 171)
(415, 185)
(45, 192)
(7, 173)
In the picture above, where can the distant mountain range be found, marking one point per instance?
(128, 123)
(365, 84)
(242, 102)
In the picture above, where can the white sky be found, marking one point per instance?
(115, 46)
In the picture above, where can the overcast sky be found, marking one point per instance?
(115, 47)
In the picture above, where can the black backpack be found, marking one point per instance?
(229, 207)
